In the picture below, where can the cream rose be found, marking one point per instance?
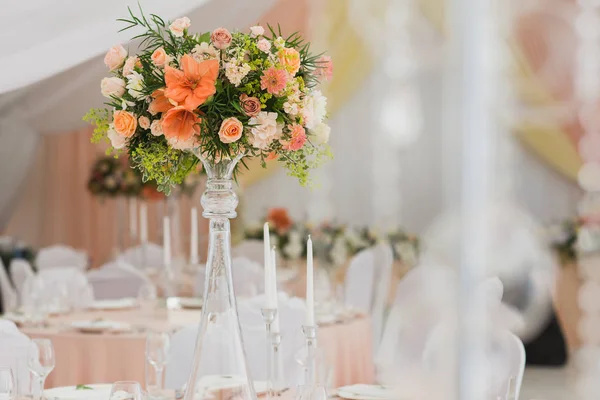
(257, 30)
(129, 66)
(221, 38)
(112, 86)
(114, 57)
(160, 58)
(124, 123)
(156, 128)
(178, 26)
(231, 130)
(263, 45)
(117, 141)
(144, 122)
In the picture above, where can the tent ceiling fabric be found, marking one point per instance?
(56, 68)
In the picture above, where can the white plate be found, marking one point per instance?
(367, 392)
(98, 392)
(188, 303)
(118, 304)
(100, 326)
(221, 382)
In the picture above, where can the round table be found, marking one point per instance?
(108, 357)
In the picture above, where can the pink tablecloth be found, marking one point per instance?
(105, 358)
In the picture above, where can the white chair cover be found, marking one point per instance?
(360, 281)
(250, 249)
(384, 259)
(292, 311)
(117, 280)
(145, 256)
(8, 292)
(248, 277)
(73, 279)
(61, 256)
(20, 271)
(14, 349)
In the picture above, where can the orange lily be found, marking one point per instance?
(180, 123)
(191, 87)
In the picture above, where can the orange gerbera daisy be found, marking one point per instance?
(192, 86)
(180, 123)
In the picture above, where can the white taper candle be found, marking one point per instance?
(133, 217)
(267, 254)
(310, 286)
(144, 222)
(273, 289)
(194, 240)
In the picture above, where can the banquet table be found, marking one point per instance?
(109, 357)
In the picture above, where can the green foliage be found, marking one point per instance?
(98, 117)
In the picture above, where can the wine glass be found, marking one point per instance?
(41, 362)
(8, 390)
(157, 353)
(147, 298)
(126, 390)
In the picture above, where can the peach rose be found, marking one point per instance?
(221, 38)
(290, 59)
(130, 64)
(144, 122)
(250, 105)
(115, 57)
(156, 127)
(231, 130)
(112, 86)
(160, 58)
(125, 123)
(280, 219)
(178, 26)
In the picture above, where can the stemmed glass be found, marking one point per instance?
(157, 353)
(8, 390)
(126, 390)
(147, 298)
(41, 362)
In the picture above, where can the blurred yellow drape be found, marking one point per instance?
(551, 143)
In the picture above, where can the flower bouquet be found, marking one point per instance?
(219, 98)
(218, 94)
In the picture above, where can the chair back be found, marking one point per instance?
(20, 271)
(61, 256)
(7, 291)
(149, 255)
(384, 259)
(14, 350)
(248, 277)
(117, 280)
(360, 281)
(58, 280)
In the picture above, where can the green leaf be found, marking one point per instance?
(205, 37)
(83, 387)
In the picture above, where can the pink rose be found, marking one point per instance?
(156, 128)
(257, 30)
(221, 38)
(130, 64)
(178, 26)
(115, 57)
(160, 58)
(231, 130)
(144, 122)
(112, 86)
(250, 105)
(263, 45)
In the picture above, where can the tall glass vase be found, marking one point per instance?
(219, 369)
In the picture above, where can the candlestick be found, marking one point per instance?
(194, 241)
(167, 241)
(310, 288)
(273, 289)
(277, 379)
(310, 370)
(268, 315)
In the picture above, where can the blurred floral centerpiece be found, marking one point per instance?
(217, 95)
(105, 177)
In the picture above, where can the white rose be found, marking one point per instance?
(257, 30)
(179, 25)
(321, 133)
(112, 87)
(117, 141)
(135, 85)
(156, 128)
